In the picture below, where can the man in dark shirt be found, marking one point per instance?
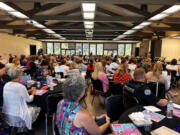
(139, 89)
(3, 80)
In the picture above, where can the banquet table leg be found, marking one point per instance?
(46, 123)
(53, 124)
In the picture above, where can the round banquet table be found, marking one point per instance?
(40, 100)
(170, 123)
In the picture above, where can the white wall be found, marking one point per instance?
(16, 45)
(170, 48)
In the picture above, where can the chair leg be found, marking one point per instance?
(13, 131)
(53, 124)
(93, 99)
(46, 123)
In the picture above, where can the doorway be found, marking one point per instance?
(32, 49)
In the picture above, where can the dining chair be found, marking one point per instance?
(114, 107)
(51, 104)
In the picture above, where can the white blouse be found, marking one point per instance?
(15, 98)
(173, 67)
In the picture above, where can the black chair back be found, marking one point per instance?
(157, 89)
(129, 100)
(174, 78)
(88, 73)
(114, 107)
(27, 71)
(115, 88)
(52, 101)
(97, 85)
(173, 73)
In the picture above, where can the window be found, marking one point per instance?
(128, 50)
(99, 49)
(85, 49)
(78, 49)
(57, 48)
(50, 48)
(110, 52)
(121, 49)
(72, 52)
(105, 52)
(93, 49)
(68, 52)
(63, 52)
(64, 45)
(114, 52)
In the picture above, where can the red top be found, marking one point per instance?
(91, 68)
(125, 77)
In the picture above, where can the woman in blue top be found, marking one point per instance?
(71, 118)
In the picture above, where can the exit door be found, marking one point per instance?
(32, 49)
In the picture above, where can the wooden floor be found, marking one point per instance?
(95, 109)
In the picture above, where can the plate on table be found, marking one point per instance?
(138, 119)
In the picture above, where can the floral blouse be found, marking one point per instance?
(65, 115)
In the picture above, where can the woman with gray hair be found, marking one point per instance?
(71, 118)
(15, 98)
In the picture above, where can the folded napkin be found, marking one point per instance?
(137, 116)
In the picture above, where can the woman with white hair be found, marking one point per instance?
(15, 99)
(71, 118)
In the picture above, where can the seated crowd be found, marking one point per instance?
(132, 73)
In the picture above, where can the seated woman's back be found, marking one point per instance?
(173, 66)
(99, 74)
(13, 96)
(71, 118)
(156, 75)
(121, 75)
(66, 113)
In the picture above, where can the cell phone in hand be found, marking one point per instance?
(101, 121)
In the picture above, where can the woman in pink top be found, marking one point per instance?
(28, 62)
(100, 75)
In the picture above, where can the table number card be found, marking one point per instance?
(40, 92)
(157, 117)
(176, 112)
(125, 129)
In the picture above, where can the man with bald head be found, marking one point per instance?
(139, 89)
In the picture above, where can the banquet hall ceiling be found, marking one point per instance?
(112, 19)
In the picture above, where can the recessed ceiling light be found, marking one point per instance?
(145, 23)
(89, 26)
(57, 35)
(5, 7)
(49, 31)
(172, 9)
(63, 38)
(88, 7)
(88, 22)
(138, 27)
(39, 25)
(121, 36)
(158, 17)
(18, 15)
(129, 32)
(88, 15)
